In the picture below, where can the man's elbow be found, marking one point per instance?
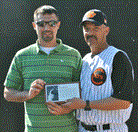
(6, 94)
(126, 104)
(6, 97)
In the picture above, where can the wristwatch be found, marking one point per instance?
(87, 108)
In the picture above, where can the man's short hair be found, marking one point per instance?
(46, 9)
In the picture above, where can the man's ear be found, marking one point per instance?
(34, 25)
(107, 30)
(59, 24)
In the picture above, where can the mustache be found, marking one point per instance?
(47, 31)
(89, 36)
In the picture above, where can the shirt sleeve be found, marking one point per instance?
(122, 78)
(14, 76)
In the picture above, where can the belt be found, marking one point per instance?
(94, 127)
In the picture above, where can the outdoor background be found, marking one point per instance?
(16, 32)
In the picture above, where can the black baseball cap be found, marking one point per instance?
(95, 16)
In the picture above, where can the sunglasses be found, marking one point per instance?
(51, 23)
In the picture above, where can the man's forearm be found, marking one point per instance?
(104, 104)
(15, 95)
(109, 104)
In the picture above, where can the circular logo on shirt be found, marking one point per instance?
(98, 77)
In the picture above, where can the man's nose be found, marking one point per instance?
(46, 26)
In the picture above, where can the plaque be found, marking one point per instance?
(61, 92)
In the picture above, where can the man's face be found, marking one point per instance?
(46, 32)
(94, 35)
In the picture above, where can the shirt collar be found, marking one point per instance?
(57, 49)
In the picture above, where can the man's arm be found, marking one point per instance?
(21, 96)
(77, 103)
(110, 104)
(104, 104)
(15, 95)
(122, 78)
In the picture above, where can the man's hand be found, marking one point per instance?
(57, 109)
(20, 96)
(75, 103)
(36, 88)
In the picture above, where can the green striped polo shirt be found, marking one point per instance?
(62, 65)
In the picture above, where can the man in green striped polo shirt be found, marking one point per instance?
(46, 61)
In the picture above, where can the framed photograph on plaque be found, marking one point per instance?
(61, 92)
